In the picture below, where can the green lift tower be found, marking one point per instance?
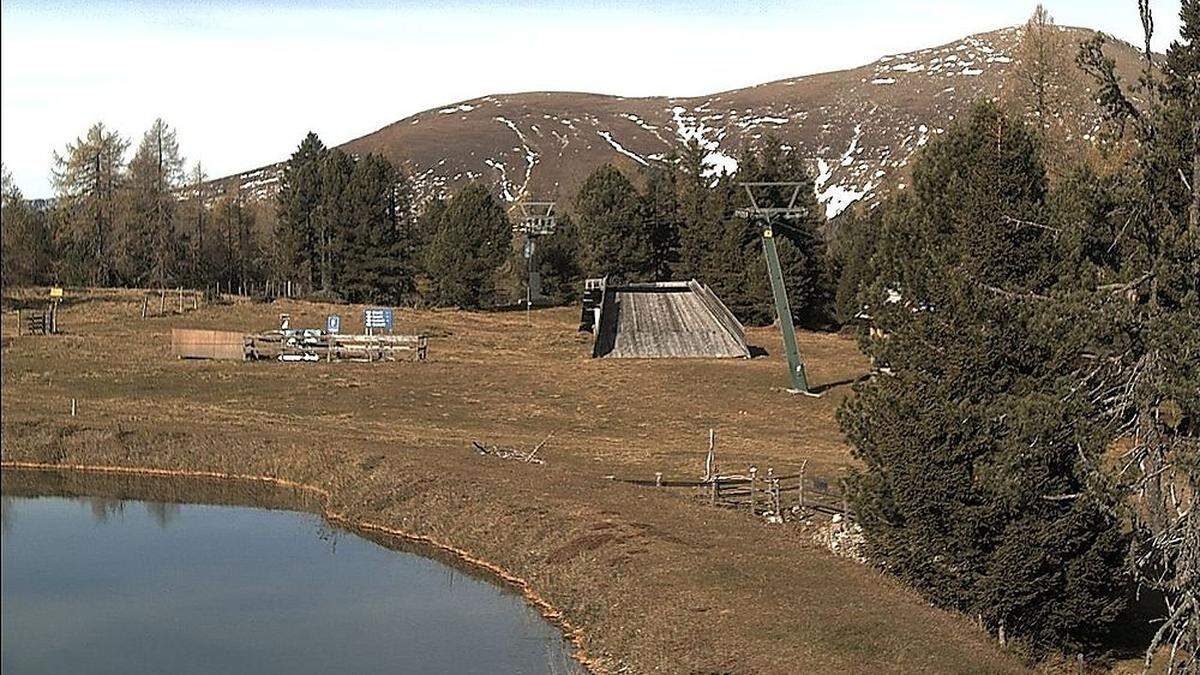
(773, 204)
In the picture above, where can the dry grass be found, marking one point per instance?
(657, 581)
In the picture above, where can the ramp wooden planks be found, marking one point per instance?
(667, 320)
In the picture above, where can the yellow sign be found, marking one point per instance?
(56, 292)
(768, 233)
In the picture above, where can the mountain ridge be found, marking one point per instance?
(858, 127)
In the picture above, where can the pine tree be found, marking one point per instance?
(660, 218)
(800, 241)
(378, 247)
(88, 177)
(613, 240)
(471, 240)
(979, 446)
(1151, 355)
(332, 220)
(558, 262)
(149, 247)
(297, 255)
(704, 208)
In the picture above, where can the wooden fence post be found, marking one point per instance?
(145, 301)
(162, 301)
(753, 486)
(657, 479)
(800, 498)
(710, 459)
(18, 322)
(181, 299)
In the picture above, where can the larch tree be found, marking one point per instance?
(150, 249)
(88, 177)
(24, 238)
(1042, 60)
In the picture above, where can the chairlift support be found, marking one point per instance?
(537, 219)
(766, 217)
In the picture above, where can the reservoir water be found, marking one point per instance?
(101, 585)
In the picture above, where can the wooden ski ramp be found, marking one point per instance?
(667, 319)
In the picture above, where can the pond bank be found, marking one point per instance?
(640, 581)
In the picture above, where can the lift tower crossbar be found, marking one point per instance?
(766, 216)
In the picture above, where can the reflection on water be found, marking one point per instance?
(105, 585)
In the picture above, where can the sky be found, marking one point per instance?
(242, 82)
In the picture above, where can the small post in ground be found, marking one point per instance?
(753, 486)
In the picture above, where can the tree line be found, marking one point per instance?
(346, 227)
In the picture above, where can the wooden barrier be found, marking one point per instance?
(191, 343)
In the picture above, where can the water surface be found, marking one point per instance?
(116, 586)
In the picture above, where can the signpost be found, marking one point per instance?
(333, 324)
(378, 317)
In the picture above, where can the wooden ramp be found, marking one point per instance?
(672, 319)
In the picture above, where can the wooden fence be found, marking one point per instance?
(776, 497)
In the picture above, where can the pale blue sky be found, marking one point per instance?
(243, 81)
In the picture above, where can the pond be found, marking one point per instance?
(105, 585)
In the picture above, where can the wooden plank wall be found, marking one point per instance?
(192, 343)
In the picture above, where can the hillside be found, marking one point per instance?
(860, 127)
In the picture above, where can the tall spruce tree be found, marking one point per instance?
(979, 446)
(471, 239)
(297, 253)
(88, 178)
(613, 238)
(378, 247)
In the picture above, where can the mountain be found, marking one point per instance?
(860, 127)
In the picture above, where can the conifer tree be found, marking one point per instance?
(88, 177)
(149, 247)
(613, 239)
(378, 248)
(979, 446)
(660, 216)
(471, 239)
(297, 257)
(24, 237)
(332, 218)
(558, 262)
(744, 285)
(704, 208)
(1151, 356)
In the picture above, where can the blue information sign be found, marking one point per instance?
(378, 317)
(333, 324)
